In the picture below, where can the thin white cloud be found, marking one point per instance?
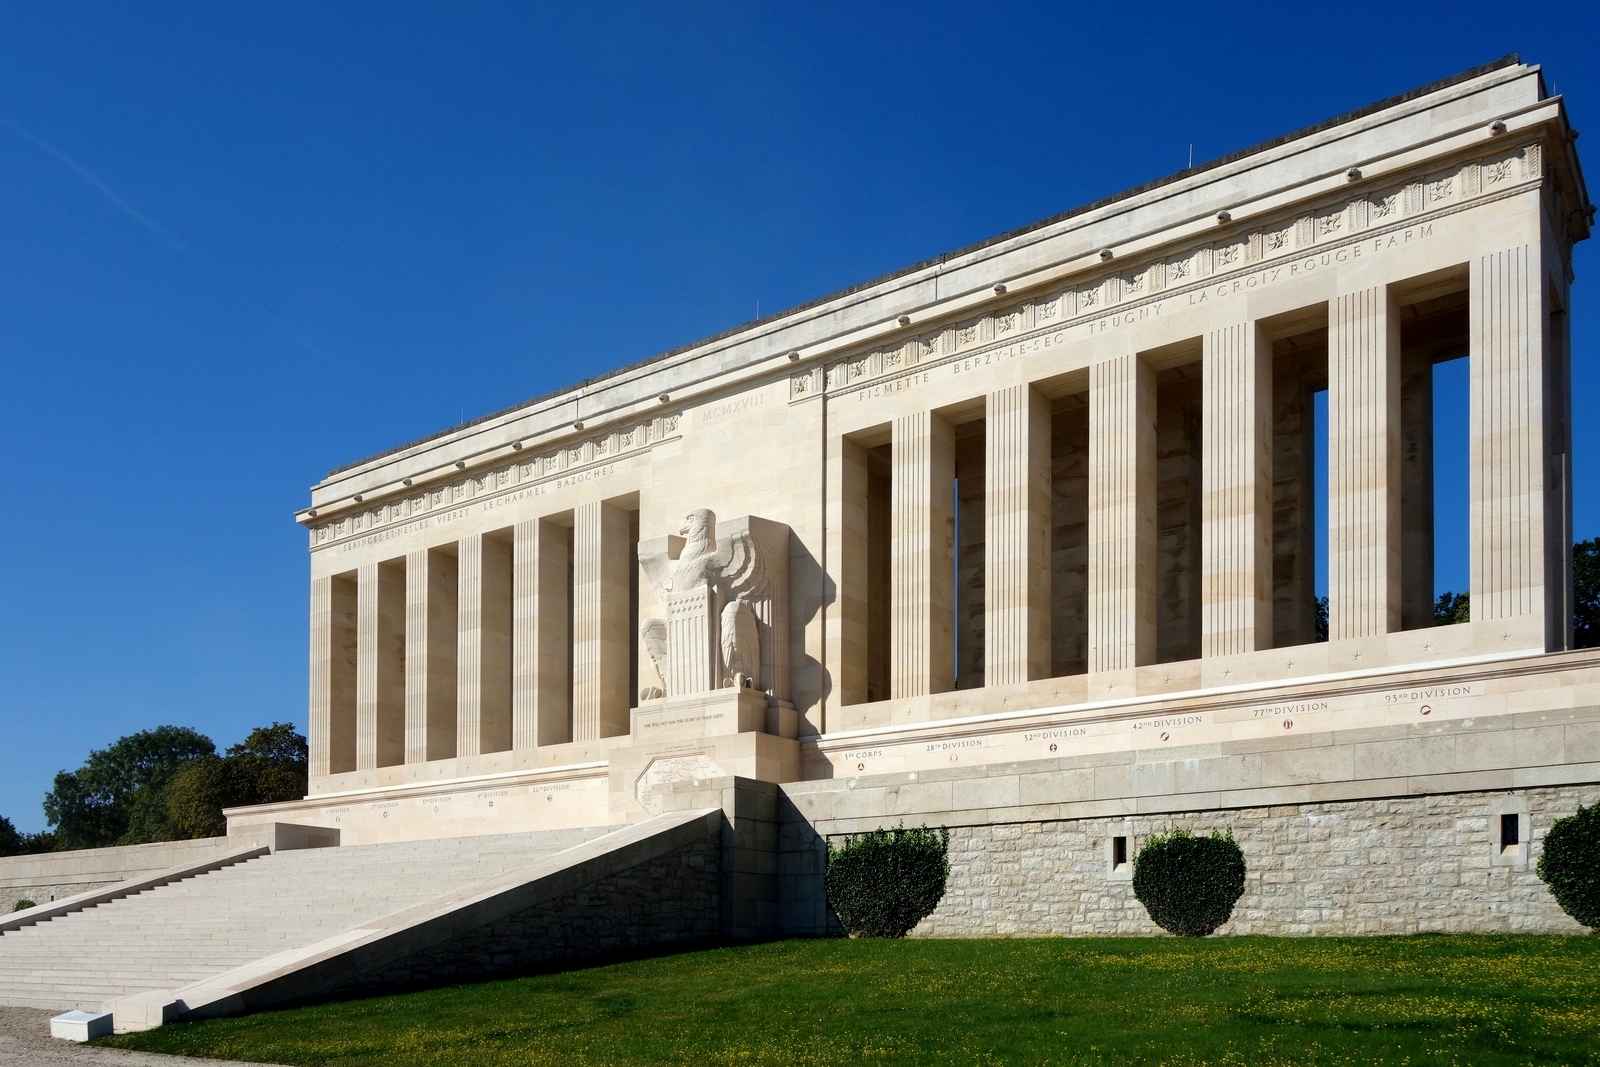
(164, 235)
(94, 180)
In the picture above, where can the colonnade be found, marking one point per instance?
(1519, 554)
(502, 640)
(526, 636)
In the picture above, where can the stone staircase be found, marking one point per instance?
(186, 931)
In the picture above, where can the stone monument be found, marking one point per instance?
(1041, 568)
(1041, 562)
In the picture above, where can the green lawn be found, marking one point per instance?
(1232, 1000)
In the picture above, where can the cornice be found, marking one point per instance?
(1188, 259)
(1402, 193)
(764, 354)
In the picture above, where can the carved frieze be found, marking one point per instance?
(528, 470)
(1396, 204)
(1271, 240)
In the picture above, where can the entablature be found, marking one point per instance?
(1487, 136)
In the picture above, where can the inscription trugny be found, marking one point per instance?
(1193, 297)
(1134, 290)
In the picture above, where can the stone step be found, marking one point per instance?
(187, 930)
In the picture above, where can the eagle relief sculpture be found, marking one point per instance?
(718, 598)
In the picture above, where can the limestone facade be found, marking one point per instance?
(1045, 499)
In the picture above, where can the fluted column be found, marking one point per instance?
(542, 637)
(848, 513)
(331, 718)
(431, 630)
(318, 730)
(1236, 505)
(1510, 380)
(1364, 478)
(483, 655)
(600, 637)
(922, 582)
(380, 665)
(1122, 514)
(1017, 536)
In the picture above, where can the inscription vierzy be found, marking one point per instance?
(591, 460)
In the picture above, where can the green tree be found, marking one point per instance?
(1452, 608)
(1570, 864)
(268, 766)
(280, 743)
(1457, 607)
(883, 882)
(14, 842)
(1189, 884)
(116, 797)
(1586, 594)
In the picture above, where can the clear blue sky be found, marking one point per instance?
(243, 243)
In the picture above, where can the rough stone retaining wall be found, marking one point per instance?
(1393, 866)
(672, 898)
(45, 894)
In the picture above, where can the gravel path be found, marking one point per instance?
(25, 1041)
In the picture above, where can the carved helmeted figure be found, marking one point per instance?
(653, 634)
(741, 645)
(711, 638)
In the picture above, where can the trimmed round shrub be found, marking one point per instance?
(882, 883)
(1189, 884)
(1570, 865)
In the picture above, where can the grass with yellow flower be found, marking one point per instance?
(1479, 1000)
